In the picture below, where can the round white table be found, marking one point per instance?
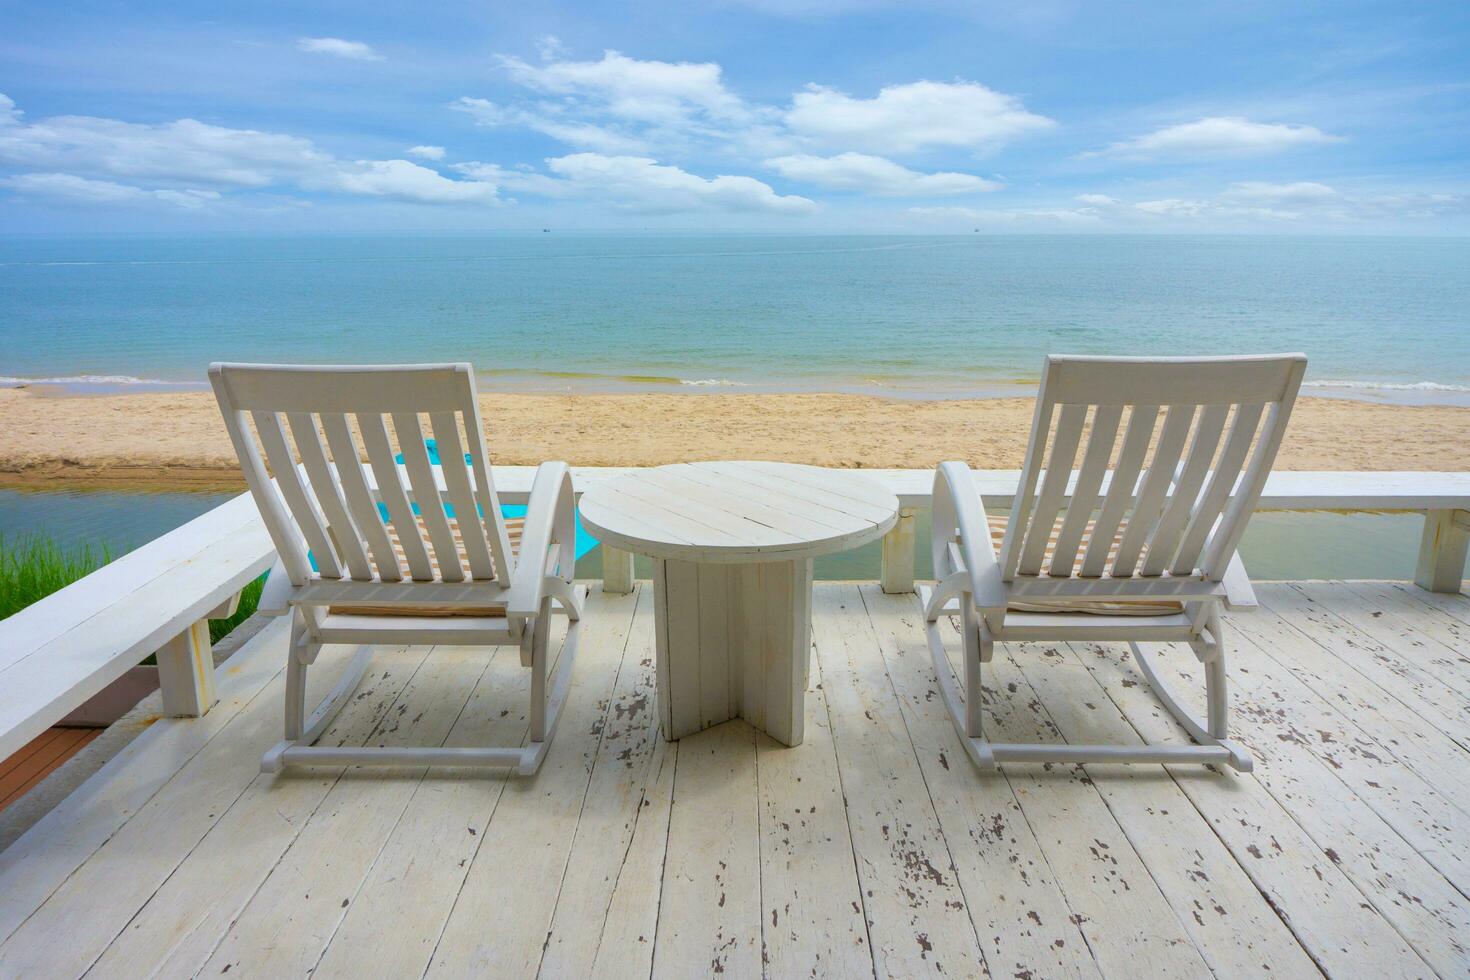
(732, 547)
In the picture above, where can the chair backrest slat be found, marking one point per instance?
(395, 497)
(1222, 481)
(1177, 500)
(1149, 503)
(340, 528)
(486, 497)
(1184, 493)
(1141, 422)
(461, 496)
(360, 496)
(1084, 494)
(426, 492)
(328, 511)
(1053, 488)
(308, 517)
(1225, 537)
(1010, 546)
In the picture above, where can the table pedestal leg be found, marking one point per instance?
(733, 641)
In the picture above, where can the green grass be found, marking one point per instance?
(34, 566)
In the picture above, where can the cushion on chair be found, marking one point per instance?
(1093, 607)
(514, 526)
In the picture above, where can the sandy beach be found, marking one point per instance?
(177, 441)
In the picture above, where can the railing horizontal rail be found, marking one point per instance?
(62, 650)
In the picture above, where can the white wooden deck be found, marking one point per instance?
(873, 848)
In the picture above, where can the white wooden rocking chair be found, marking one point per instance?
(1156, 533)
(399, 550)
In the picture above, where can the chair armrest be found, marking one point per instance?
(958, 507)
(275, 597)
(1239, 595)
(550, 519)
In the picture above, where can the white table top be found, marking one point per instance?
(738, 511)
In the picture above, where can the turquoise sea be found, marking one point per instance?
(1381, 317)
(1385, 318)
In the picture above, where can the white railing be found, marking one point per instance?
(158, 599)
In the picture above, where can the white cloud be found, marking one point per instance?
(81, 190)
(1248, 204)
(185, 149)
(643, 91)
(574, 133)
(618, 105)
(1218, 136)
(427, 152)
(875, 175)
(519, 180)
(642, 184)
(549, 47)
(338, 48)
(1011, 216)
(1297, 192)
(74, 153)
(8, 112)
(409, 182)
(915, 116)
(1253, 203)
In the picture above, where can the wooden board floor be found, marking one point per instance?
(872, 849)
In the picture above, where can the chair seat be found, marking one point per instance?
(514, 526)
(1090, 607)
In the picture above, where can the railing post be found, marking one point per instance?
(617, 570)
(898, 555)
(1442, 550)
(186, 673)
(186, 666)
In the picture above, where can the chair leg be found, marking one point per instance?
(548, 689)
(1217, 704)
(540, 640)
(296, 664)
(1213, 729)
(964, 710)
(978, 650)
(1217, 699)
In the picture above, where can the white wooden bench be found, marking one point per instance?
(1444, 499)
(57, 653)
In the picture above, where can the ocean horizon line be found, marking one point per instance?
(533, 382)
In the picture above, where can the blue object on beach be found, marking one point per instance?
(433, 447)
(585, 541)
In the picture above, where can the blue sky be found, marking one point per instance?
(765, 115)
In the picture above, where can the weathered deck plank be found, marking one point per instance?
(182, 923)
(621, 774)
(813, 919)
(285, 927)
(1219, 906)
(1343, 933)
(499, 922)
(99, 899)
(916, 912)
(421, 868)
(1128, 920)
(709, 917)
(1020, 913)
(874, 847)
